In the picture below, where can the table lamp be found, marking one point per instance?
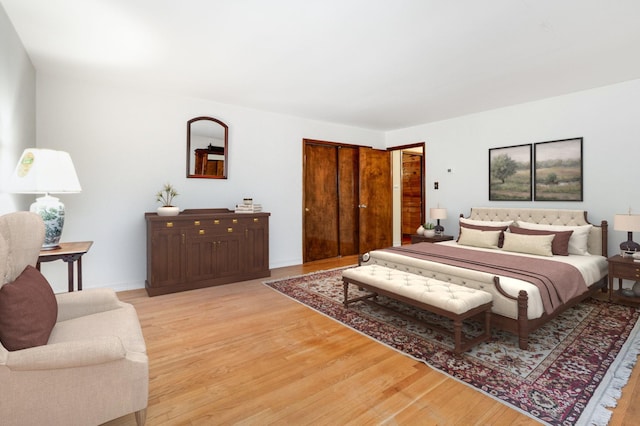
(438, 213)
(45, 171)
(630, 223)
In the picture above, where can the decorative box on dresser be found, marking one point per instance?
(205, 247)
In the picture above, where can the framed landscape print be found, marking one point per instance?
(510, 173)
(558, 170)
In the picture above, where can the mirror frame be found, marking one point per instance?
(190, 154)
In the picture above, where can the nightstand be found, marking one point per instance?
(622, 268)
(415, 238)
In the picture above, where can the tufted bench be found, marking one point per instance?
(449, 300)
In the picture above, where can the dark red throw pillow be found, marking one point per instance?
(28, 311)
(560, 243)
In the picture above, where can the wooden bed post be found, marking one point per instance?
(523, 321)
(605, 230)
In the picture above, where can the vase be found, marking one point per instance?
(168, 211)
(420, 230)
(429, 233)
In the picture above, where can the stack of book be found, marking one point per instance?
(248, 208)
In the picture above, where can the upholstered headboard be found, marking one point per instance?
(597, 243)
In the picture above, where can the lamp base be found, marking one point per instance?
(439, 228)
(630, 246)
(51, 210)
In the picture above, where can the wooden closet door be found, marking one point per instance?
(375, 202)
(348, 214)
(320, 202)
(339, 181)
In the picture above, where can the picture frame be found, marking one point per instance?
(510, 173)
(558, 170)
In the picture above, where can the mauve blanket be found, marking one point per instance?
(558, 282)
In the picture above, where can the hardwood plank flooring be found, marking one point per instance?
(245, 354)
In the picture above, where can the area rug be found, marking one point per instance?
(574, 368)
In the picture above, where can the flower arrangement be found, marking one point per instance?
(166, 195)
(429, 225)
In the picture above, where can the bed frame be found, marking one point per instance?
(521, 325)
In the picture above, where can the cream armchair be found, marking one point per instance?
(94, 366)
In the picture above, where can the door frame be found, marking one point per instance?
(397, 187)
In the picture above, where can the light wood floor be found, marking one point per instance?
(245, 354)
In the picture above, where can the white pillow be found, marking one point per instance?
(485, 222)
(577, 242)
(530, 244)
(478, 238)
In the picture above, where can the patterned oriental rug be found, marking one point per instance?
(575, 367)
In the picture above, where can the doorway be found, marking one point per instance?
(409, 195)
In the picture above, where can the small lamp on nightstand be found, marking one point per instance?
(438, 213)
(630, 223)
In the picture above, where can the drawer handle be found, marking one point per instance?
(229, 229)
(196, 223)
(235, 220)
(169, 224)
(256, 219)
(216, 222)
(201, 232)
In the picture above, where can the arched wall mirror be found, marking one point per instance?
(207, 148)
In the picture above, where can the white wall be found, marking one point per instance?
(126, 144)
(608, 119)
(17, 109)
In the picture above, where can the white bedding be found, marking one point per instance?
(592, 267)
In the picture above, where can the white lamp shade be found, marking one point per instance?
(438, 213)
(626, 222)
(44, 171)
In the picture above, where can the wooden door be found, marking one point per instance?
(339, 180)
(412, 184)
(320, 202)
(375, 201)
(348, 214)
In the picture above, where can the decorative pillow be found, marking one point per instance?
(487, 226)
(578, 240)
(529, 244)
(560, 243)
(479, 238)
(28, 311)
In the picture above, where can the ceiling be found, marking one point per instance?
(374, 64)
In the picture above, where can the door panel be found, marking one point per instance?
(348, 200)
(411, 192)
(321, 202)
(375, 202)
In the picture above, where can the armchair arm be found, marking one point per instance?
(86, 302)
(80, 353)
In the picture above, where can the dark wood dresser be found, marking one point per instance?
(205, 247)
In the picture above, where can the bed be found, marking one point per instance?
(567, 274)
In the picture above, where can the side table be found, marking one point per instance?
(69, 253)
(415, 238)
(622, 268)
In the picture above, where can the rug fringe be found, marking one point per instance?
(610, 389)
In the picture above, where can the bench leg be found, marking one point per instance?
(457, 335)
(487, 324)
(346, 294)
